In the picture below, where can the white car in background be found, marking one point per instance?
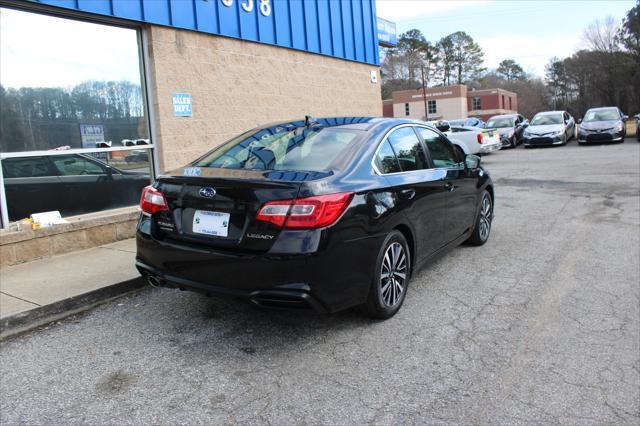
(473, 140)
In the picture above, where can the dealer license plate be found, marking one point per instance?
(211, 223)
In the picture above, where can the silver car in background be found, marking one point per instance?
(549, 128)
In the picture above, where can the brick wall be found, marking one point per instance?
(236, 85)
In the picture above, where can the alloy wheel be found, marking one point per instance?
(486, 210)
(393, 276)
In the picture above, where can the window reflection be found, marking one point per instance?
(66, 83)
(73, 183)
(69, 84)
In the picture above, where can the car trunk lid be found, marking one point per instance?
(217, 208)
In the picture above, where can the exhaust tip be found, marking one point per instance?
(154, 281)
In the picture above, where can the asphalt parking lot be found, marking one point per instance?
(541, 325)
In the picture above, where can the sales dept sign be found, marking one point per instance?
(182, 105)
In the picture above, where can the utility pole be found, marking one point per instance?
(424, 94)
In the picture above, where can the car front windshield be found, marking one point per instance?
(544, 119)
(311, 149)
(497, 123)
(601, 115)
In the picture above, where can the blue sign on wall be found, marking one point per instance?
(340, 28)
(182, 104)
(387, 35)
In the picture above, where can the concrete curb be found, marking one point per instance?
(25, 321)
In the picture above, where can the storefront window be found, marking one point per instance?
(67, 84)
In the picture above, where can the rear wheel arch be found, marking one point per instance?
(408, 235)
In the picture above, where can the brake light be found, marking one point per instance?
(479, 138)
(305, 213)
(153, 201)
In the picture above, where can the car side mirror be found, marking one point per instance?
(625, 117)
(579, 120)
(472, 161)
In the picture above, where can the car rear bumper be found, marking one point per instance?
(330, 279)
(291, 296)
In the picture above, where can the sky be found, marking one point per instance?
(530, 32)
(80, 51)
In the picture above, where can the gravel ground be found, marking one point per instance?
(539, 326)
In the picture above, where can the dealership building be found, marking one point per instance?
(97, 93)
(450, 103)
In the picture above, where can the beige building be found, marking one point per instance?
(441, 103)
(450, 103)
(236, 85)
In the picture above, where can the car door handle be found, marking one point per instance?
(449, 187)
(409, 193)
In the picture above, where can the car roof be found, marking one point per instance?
(361, 123)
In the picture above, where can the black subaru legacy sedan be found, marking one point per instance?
(321, 214)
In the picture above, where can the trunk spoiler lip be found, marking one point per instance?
(198, 173)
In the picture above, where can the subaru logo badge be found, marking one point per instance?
(207, 192)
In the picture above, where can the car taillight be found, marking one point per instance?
(153, 201)
(479, 138)
(305, 213)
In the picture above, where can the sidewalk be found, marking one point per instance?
(37, 292)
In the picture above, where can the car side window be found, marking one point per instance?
(71, 165)
(25, 167)
(441, 151)
(408, 149)
(386, 160)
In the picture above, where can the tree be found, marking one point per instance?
(556, 80)
(415, 49)
(467, 57)
(510, 70)
(629, 32)
(602, 36)
(629, 38)
(445, 65)
(401, 65)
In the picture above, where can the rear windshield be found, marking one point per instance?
(496, 123)
(313, 149)
(541, 120)
(601, 115)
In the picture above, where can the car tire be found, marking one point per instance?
(482, 226)
(514, 142)
(388, 287)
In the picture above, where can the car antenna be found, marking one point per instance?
(309, 120)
